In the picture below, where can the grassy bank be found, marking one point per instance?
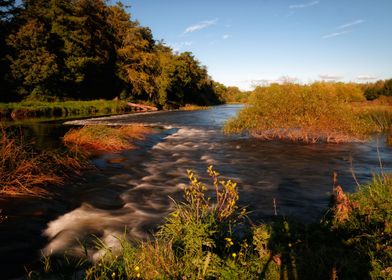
(104, 138)
(320, 112)
(209, 236)
(25, 171)
(30, 109)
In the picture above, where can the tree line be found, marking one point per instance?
(88, 49)
(380, 88)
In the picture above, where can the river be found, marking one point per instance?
(130, 190)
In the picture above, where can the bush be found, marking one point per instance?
(301, 113)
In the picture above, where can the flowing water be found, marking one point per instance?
(131, 190)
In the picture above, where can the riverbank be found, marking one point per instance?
(35, 109)
(210, 236)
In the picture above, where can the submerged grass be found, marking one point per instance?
(25, 171)
(105, 138)
(28, 109)
(209, 236)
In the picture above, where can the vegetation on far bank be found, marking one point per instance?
(36, 109)
(189, 107)
(209, 236)
(320, 112)
(26, 171)
(92, 138)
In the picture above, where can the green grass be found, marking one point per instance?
(208, 236)
(30, 109)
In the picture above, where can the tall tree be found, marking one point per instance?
(7, 10)
(34, 68)
(137, 62)
(74, 44)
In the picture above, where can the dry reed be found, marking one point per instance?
(104, 138)
(25, 171)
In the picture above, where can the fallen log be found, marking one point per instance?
(142, 107)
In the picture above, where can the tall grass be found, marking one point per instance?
(208, 236)
(60, 109)
(26, 171)
(293, 112)
(104, 138)
(380, 116)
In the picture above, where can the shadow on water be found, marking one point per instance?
(131, 189)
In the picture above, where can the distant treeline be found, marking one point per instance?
(88, 49)
(377, 89)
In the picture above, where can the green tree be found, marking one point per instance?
(72, 41)
(34, 68)
(374, 90)
(7, 11)
(387, 90)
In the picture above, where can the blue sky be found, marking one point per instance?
(250, 42)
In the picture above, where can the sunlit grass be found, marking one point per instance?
(378, 115)
(105, 138)
(194, 107)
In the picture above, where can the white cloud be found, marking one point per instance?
(366, 77)
(180, 45)
(226, 36)
(288, 79)
(331, 35)
(261, 82)
(200, 25)
(343, 26)
(304, 5)
(330, 77)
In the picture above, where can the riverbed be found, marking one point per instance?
(131, 191)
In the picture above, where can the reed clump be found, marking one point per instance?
(304, 113)
(380, 116)
(25, 171)
(105, 138)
